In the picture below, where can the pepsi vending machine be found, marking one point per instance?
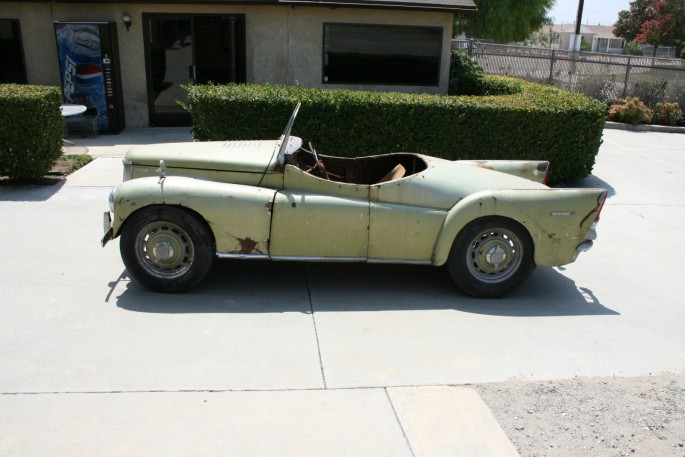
(89, 66)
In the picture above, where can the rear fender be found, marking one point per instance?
(557, 220)
(528, 169)
(239, 216)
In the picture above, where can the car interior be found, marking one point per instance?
(359, 170)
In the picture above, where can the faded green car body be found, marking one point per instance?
(413, 219)
(265, 199)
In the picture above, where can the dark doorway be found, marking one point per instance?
(185, 49)
(12, 68)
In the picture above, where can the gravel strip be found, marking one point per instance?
(642, 416)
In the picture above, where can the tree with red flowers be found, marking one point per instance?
(630, 21)
(656, 31)
(656, 22)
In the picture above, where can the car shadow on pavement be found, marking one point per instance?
(267, 287)
(593, 182)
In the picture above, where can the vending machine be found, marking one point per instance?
(89, 67)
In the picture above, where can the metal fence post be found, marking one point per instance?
(551, 67)
(625, 82)
(470, 47)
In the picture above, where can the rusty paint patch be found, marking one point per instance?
(269, 206)
(247, 245)
(600, 200)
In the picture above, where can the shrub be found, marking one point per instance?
(466, 75)
(600, 87)
(533, 125)
(649, 91)
(633, 48)
(675, 92)
(630, 110)
(667, 114)
(469, 78)
(31, 130)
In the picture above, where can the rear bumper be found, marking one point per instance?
(584, 247)
(590, 236)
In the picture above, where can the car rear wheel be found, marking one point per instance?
(167, 249)
(491, 257)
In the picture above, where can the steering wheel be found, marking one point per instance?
(319, 164)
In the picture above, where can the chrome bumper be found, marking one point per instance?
(108, 229)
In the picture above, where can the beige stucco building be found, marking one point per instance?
(359, 44)
(600, 37)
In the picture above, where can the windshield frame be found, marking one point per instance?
(285, 145)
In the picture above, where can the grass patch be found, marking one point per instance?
(68, 164)
(61, 168)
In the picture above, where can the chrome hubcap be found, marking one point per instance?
(165, 250)
(494, 255)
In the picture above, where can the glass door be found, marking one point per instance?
(12, 69)
(189, 49)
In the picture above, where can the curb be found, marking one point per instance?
(643, 127)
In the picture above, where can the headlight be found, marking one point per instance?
(128, 169)
(112, 196)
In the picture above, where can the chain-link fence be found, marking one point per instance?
(601, 76)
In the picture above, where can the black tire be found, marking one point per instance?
(167, 249)
(491, 257)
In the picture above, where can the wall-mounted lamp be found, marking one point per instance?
(127, 21)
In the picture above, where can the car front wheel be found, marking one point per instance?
(166, 249)
(491, 257)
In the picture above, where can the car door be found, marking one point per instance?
(318, 219)
(403, 228)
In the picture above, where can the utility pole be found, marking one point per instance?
(579, 18)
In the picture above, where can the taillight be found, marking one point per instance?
(603, 197)
(549, 167)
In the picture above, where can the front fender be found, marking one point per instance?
(556, 219)
(238, 215)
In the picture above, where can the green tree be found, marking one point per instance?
(630, 21)
(633, 48)
(546, 37)
(504, 20)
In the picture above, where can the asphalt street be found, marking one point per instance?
(279, 359)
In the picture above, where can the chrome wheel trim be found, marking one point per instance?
(164, 250)
(494, 255)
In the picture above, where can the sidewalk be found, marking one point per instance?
(117, 145)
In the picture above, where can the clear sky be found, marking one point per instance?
(603, 12)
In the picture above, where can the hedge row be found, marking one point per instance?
(540, 123)
(469, 78)
(31, 130)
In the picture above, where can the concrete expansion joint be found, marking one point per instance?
(316, 333)
(399, 423)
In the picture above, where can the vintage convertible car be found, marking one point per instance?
(181, 205)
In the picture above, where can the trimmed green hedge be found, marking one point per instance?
(31, 130)
(540, 123)
(469, 78)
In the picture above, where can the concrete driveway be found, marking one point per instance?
(277, 359)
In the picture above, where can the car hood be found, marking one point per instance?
(240, 156)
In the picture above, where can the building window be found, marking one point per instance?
(12, 69)
(381, 54)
